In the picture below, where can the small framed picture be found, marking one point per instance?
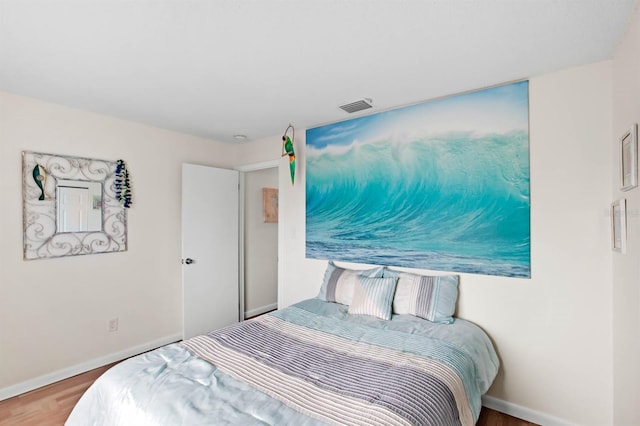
(629, 159)
(619, 226)
(270, 205)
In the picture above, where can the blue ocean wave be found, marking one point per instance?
(455, 202)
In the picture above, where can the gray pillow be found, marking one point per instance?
(430, 297)
(338, 283)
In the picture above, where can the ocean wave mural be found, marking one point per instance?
(442, 185)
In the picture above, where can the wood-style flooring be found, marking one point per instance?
(48, 405)
(51, 405)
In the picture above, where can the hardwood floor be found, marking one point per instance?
(51, 405)
(495, 418)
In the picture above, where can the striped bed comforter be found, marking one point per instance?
(311, 363)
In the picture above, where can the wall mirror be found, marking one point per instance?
(70, 206)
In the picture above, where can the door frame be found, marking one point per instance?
(272, 164)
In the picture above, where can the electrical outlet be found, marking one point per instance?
(113, 325)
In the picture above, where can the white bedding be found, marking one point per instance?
(262, 382)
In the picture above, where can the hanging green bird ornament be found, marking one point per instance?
(287, 149)
(40, 177)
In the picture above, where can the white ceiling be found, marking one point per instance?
(216, 68)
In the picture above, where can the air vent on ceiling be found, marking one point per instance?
(356, 106)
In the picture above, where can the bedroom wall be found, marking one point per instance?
(54, 312)
(553, 332)
(626, 268)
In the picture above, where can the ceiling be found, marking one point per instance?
(217, 68)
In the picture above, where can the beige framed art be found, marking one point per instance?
(619, 226)
(629, 159)
(270, 205)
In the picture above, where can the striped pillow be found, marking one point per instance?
(338, 283)
(373, 296)
(430, 297)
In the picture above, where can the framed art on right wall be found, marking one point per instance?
(629, 159)
(619, 225)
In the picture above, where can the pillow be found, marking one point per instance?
(338, 283)
(373, 296)
(430, 297)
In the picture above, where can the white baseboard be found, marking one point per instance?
(74, 370)
(261, 310)
(523, 413)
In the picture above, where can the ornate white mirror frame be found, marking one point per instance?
(40, 175)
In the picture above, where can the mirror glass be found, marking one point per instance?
(70, 206)
(78, 206)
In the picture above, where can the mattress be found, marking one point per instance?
(311, 363)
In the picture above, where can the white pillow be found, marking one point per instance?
(338, 283)
(373, 296)
(430, 297)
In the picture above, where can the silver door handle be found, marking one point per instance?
(188, 261)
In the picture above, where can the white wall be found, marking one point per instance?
(626, 268)
(261, 245)
(54, 312)
(552, 332)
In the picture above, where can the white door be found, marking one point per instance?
(73, 211)
(209, 249)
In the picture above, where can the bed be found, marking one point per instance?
(314, 362)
